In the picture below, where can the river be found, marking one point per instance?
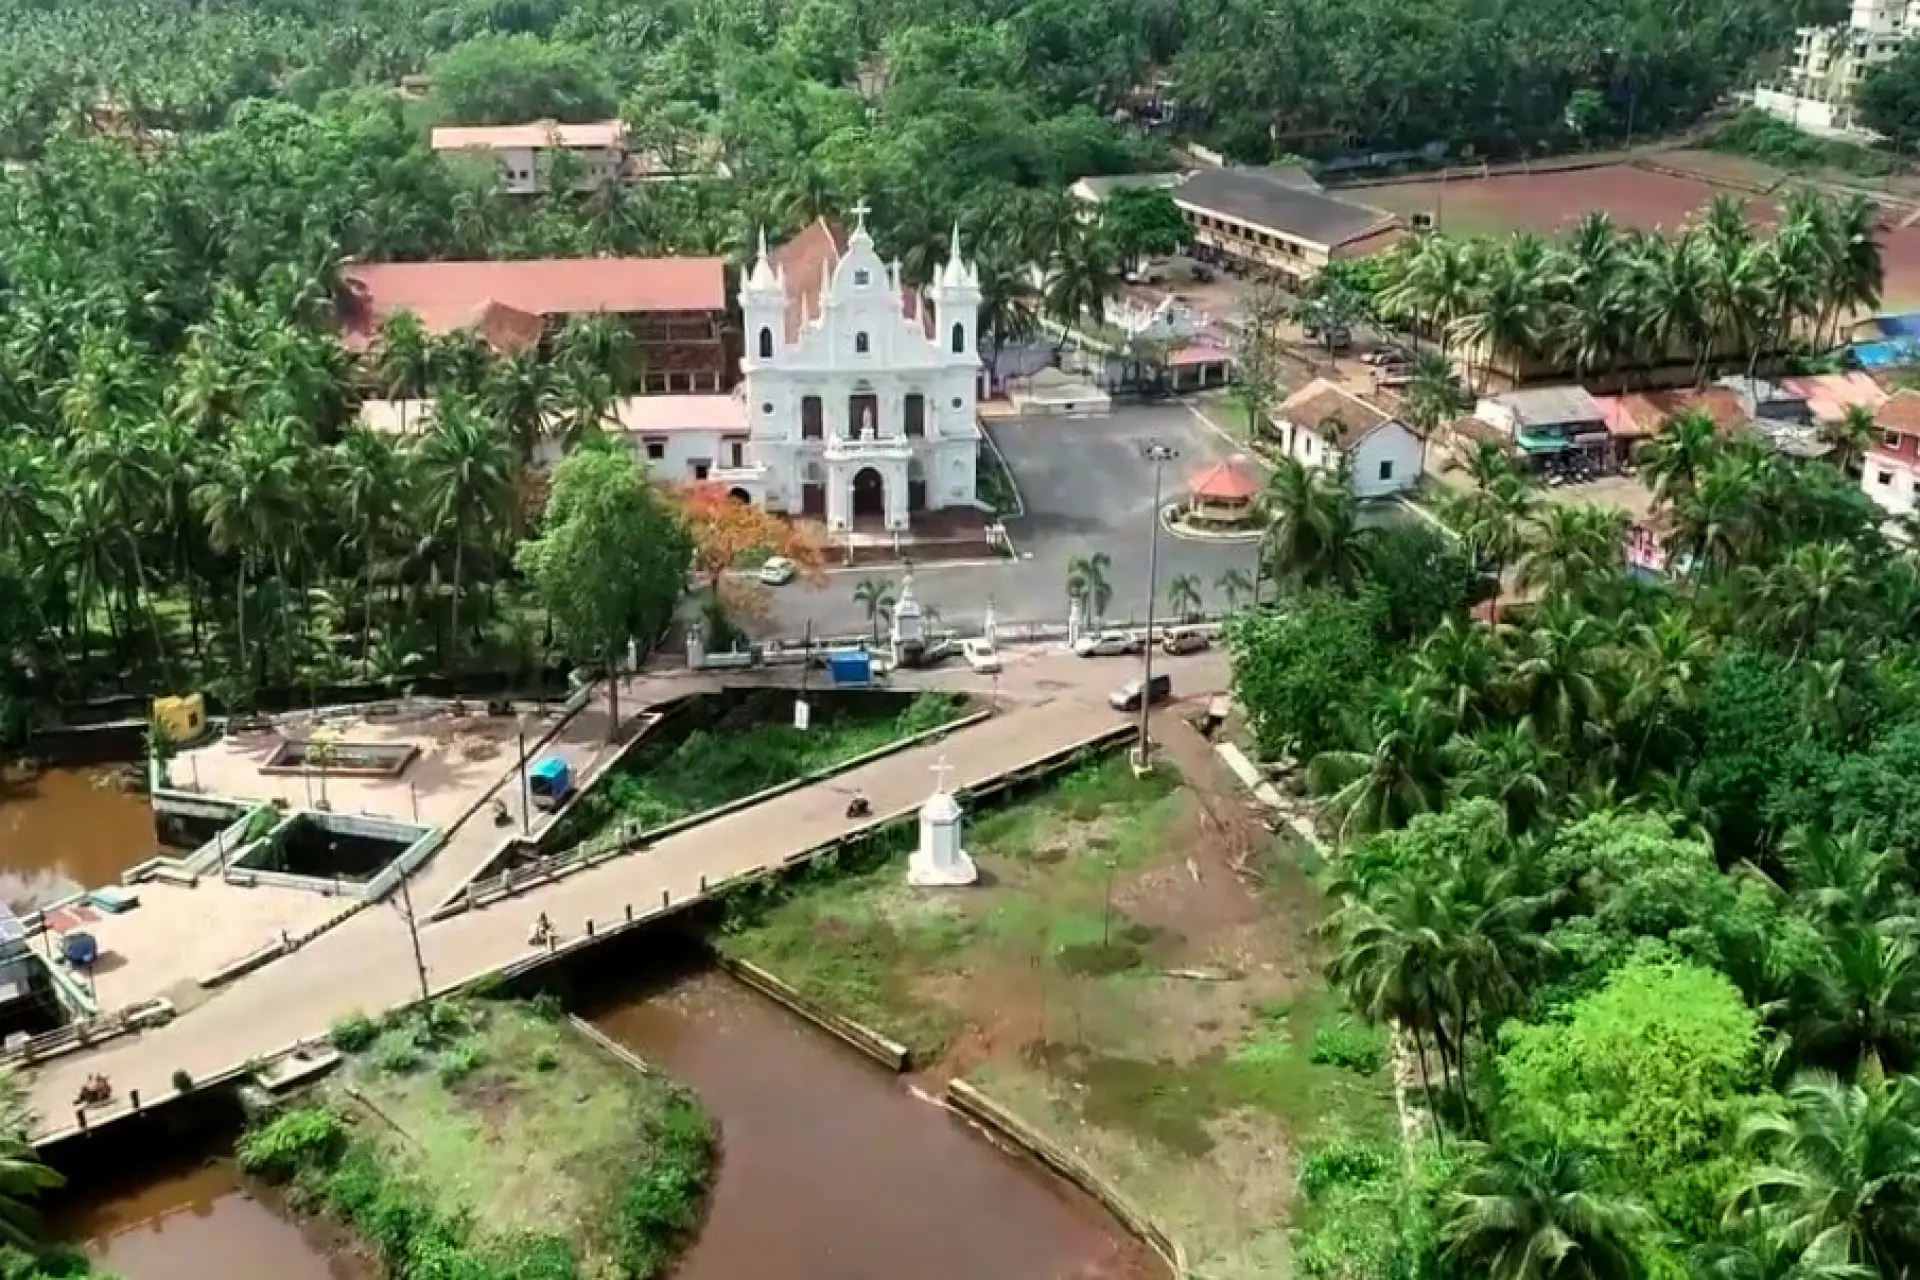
(67, 829)
(190, 1222)
(832, 1169)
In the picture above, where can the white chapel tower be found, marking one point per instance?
(860, 391)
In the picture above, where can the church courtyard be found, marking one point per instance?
(1087, 488)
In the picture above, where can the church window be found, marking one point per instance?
(860, 344)
(956, 402)
(766, 406)
(915, 414)
(959, 339)
(861, 277)
(812, 419)
(766, 343)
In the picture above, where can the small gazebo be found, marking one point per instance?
(1224, 493)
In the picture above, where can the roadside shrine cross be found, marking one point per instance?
(940, 771)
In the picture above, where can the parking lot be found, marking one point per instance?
(1087, 488)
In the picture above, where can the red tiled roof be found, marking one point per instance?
(1642, 413)
(448, 296)
(1200, 351)
(1901, 413)
(814, 252)
(1225, 481)
(1325, 404)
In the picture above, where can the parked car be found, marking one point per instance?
(981, 656)
(778, 571)
(1185, 639)
(1106, 644)
(1127, 696)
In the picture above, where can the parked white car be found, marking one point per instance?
(1106, 644)
(778, 571)
(981, 656)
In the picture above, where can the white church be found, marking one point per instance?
(857, 399)
(859, 391)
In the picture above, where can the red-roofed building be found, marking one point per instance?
(1891, 476)
(676, 307)
(1325, 425)
(1223, 493)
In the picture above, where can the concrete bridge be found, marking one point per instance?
(1050, 703)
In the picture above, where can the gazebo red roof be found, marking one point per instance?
(1226, 481)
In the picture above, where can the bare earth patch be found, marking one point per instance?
(1118, 983)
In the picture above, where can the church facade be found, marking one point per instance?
(859, 392)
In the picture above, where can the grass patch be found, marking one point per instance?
(1759, 136)
(751, 746)
(1114, 992)
(487, 1141)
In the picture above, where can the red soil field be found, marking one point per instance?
(1633, 196)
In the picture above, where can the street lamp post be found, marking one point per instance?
(1159, 455)
(526, 791)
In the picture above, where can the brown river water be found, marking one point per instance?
(831, 1169)
(68, 829)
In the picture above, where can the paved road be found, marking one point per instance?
(367, 962)
(1086, 489)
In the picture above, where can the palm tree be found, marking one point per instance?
(403, 360)
(1579, 550)
(1842, 1178)
(1183, 596)
(1555, 677)
(22, 1179)
(1006, 307)
(1510, 768)
(875, 595)
(1859, 1008)
(1435, 396)
(1539, 1212)
(521, 393)
(1391, 963)
(251, 498)
(1400, 776)
(1088, 582)
(466, 486)
(1851, 436)
(1455, 668)
(1312, 536)
(597, 343)
(1674, 459)
(1080, 276)
(369, 489)
(1234, 583)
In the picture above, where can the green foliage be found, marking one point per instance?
(1646, 1071)
(1143, 223)
(662, 1202)
(1420, 575)
(308, 1137)
(512, 79)
(353, 1033)
(1343, 1164)
(611, 561)
(459, 1062)
(1767, 137)
(1350, 1044)
(397, 1051)
(1297, 671)
(1889, 98)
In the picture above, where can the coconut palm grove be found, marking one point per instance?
(1626, 861)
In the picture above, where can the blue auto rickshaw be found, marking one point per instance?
(551, 782)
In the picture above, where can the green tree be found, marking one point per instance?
(519, 78)
(1141, 223)
(1539, 1212)
(610, 564)
(466, 475)
(1298, 671)
(875, 595)
(1889, 98)
(1183, 596)
(1313, 537)
(1089, 580)
(22, 1177)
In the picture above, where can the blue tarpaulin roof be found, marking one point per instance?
(552, 775)
(1889, 354)
(1900, 326)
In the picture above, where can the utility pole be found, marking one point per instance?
(1159, 455)
(413, 932)
(526, 792)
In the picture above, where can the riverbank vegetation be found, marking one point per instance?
(489, 1139)
(1633, 867)
(23, 1180)
(1114, 982)
(753, 745)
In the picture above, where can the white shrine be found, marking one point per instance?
(860, 392)
(908, 629)
(940, 862)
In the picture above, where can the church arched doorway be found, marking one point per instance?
(741, 496)
(916, 486)
(869, 493)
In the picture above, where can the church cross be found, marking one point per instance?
(861, 210)
(940, 771)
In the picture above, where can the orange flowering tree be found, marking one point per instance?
(726, 532)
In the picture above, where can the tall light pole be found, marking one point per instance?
(1159, 455)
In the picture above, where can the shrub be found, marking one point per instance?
(459, 1062)
(397, 1051)
(182, 1082)
(353, 1033)
(447, 1020)
(1350, 1044)
(662, 1202)
(546, 1058)
(547, 1005)
(1342, 1164)
(291, 1141)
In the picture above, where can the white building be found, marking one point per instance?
(1325, 426)
(860, 391)
(598, 148)
(1891, 476)
(857, 403)
(1816, 90)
